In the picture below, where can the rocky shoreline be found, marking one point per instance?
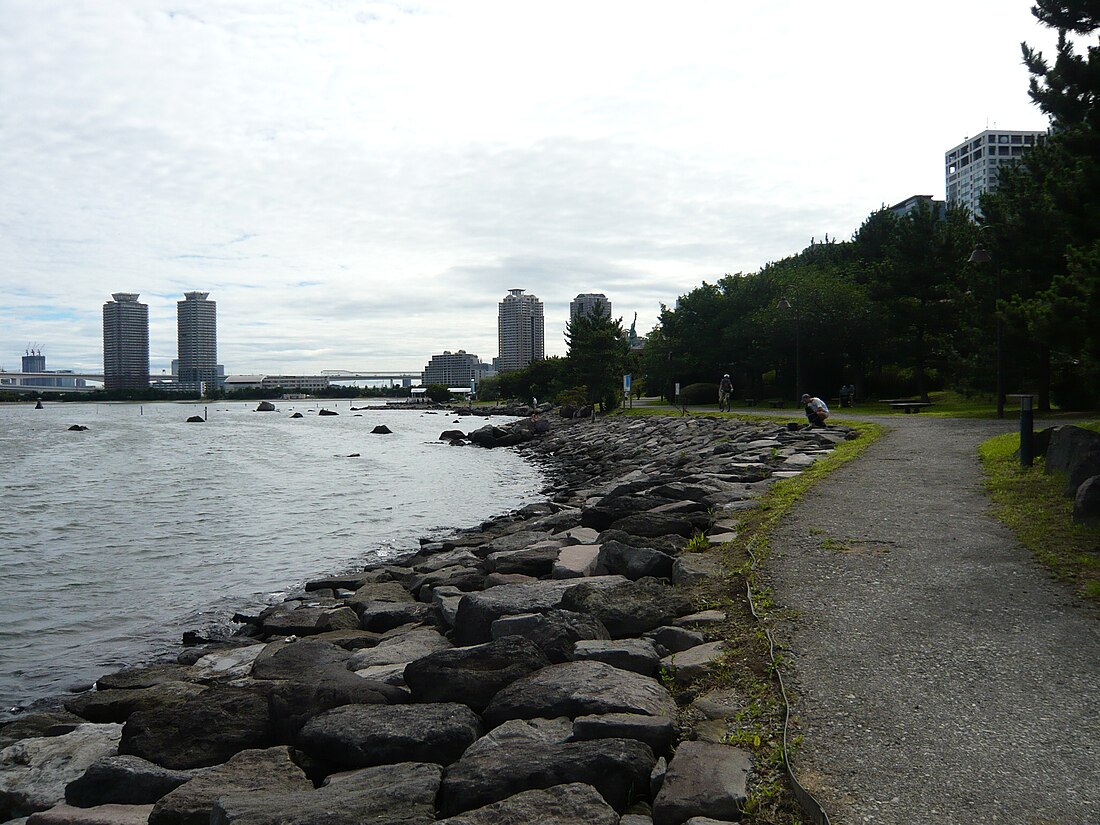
(522, 670)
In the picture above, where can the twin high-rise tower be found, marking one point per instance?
(521, 336)
(126, 341)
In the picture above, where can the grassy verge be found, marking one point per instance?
(1034, 506)
(747, 671)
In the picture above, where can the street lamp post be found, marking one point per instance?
(981, 255)
(785, 305)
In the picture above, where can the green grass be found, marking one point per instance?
(1035, 507)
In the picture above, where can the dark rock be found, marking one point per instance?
(1075, 452)
(473, 675)
(523, 731)
(675, 639)
(328, 412)
(251, 771)
(578, 688)
(297, 415)
(650, 524)
(41, 724)
(117, 705)
(609, 509)
(629, 609)
(703, 779)
(294, 703)
(616, 768)
(348, 581)
(77, 428)
(534, 561)
(401, 794)
(655, 731)
(636, 655)
(669, 544)
(195, 419)
(361, 736)
(633, 562)
(300, 659)
(306, 621)
(1086, 504)
(202, 731)
(265, 406)
(371, 592)
(100, 815)
(123, 780)
(553, 632)
(144, 677)
(567, 804)
(382, 616)
(478, 611)
(451, 435)
(382, 429)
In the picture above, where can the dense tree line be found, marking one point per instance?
(899, 309)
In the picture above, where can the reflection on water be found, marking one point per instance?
(115, 540)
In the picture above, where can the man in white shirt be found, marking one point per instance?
(816, 411)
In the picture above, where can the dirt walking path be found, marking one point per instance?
(940, 674)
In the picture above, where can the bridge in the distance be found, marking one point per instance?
(368, 375)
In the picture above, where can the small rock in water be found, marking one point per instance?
(297, 415)
(353, 455)
(328, 412)
(195, 419)
(382, 429)
(265, 406)
(77, 428)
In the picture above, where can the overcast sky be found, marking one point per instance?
(357, 184)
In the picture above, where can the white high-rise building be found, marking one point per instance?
(971, 167)
(454, 369)
(585, 304)
(521, 336)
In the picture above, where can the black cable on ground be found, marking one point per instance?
(809, 804)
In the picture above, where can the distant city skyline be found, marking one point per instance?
(358, 182)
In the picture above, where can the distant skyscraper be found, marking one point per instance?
(585, 304)
(971, 167)
(197, 336)
(125, 343)
(520, 334)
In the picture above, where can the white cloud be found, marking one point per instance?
(358, 183)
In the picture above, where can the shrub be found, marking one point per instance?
(699, 394)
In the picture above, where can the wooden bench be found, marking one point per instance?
(909, 406)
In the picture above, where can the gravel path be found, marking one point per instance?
(939, 674)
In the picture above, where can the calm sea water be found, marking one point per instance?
(115, 540)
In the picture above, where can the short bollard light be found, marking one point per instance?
(1027, 429)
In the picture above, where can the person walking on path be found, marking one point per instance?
(940, 675)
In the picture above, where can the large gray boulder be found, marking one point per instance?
(145, 676)
(704, 779)
(40, 723)
(637, 655)
(616, 768)
(523, 732)
(400, 648)
(251, 771)
(631, 608)
(383, 616)
(655, 731)
(633, 562)
(116, 705)
(362, 736)
(204, 730)
(554, 632)
(402, 794)
(650, 524)
(473, 675)
(560, 805)
(100, 815)
(298, 659)
(1086, 504)
(123, 780)
(478, 611)
(536, 561)
(307, 621)
(1075, 452)
(34, 772)
(577, 688)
